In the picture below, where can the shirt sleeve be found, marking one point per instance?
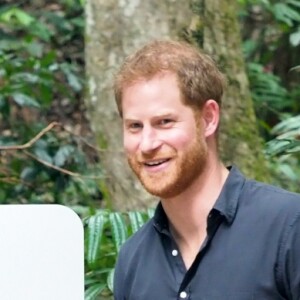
(119, 279)
(291, 260)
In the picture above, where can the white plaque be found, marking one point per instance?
(41, 253)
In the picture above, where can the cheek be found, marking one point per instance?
(180, 139)
(130, 144)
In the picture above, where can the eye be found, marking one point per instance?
(134, 126)
(165, 123)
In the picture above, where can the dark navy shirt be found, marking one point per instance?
(252, 251)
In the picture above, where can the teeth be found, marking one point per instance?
(155, 163)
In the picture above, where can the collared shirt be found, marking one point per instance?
(252, 251)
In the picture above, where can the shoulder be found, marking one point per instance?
(137, 243)
(269, 194)
(132, 254)
(270, 201)
(138, 238)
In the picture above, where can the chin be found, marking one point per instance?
(166, 192)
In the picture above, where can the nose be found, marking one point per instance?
(149, 140)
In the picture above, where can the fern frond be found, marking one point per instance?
(93, 291)
(94, 234)
(119, 229)
(136, 220)
(150, 212)
(110, 280)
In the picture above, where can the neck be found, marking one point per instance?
(187, 212)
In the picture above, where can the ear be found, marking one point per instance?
(211, 117)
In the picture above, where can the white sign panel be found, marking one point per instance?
(41, 253)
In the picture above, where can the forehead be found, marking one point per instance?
(160, 94)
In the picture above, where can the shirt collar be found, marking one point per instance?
(228, 199)
(226, 204)
(160, 218)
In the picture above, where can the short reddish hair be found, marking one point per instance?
(198, 77)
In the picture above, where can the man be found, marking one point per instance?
(214, 235)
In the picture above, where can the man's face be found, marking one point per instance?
(164, 144)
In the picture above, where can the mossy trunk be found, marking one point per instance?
(114, 29)
(240, 142)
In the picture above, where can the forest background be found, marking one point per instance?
(50, 154)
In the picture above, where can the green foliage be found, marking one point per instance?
(297, 68)
(31, 180)
(284, 11)
(37, 76)
(267, 89)
(286, 167)
(284, 152)
(31, 73)
(105, 232)
(274, 82)
(287, 137)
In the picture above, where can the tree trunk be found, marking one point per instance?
(114, 29)
(240, 142)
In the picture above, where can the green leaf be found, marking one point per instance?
(28, 174)
(292, 123)
(136, 220)
(21, 16)
(95, 227)
(7, 141)
(35, 49)
(150, 212)
(266, 2)
(63, 154)
(3, 196)
(293, 2)
(119, 229)
(73, 80)
(93, 291)
(297, 69)
(92, 277)
(295, 38)
(288, 171)
(41, 31)
(276, 146)
(285, 13)
(25, 77)
(10, 45)
(25, 100)
(267, 88)
(42, 154)
(110, 280)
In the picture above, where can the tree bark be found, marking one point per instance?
(114, 29)
(240, 142)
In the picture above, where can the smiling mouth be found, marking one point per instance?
(156, 162)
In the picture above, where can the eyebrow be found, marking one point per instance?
(158, 116)
(129, 122)
(164, 116)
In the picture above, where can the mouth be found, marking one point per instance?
(156, 163)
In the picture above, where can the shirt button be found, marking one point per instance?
(183, 295)
(174, 252)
